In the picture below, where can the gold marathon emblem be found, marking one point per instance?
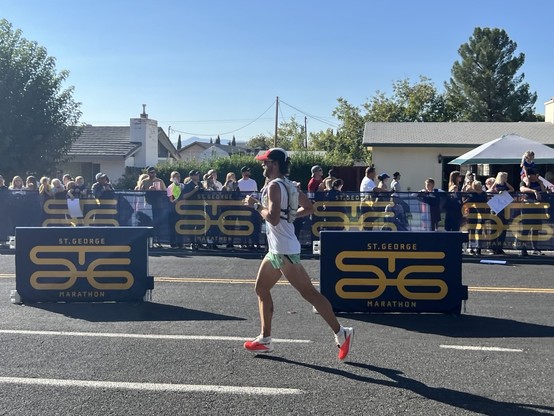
(63, 273)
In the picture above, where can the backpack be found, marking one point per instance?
(289, 214)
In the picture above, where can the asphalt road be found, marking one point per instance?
(182, 353)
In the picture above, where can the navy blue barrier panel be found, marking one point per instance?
(392, 271)
(221, 217)
(82, 264)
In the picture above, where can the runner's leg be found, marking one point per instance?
(266, 279)
(299, 279)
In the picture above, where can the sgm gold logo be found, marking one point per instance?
(403, 279)
(199, 216)
(97, 212)
(64, 265)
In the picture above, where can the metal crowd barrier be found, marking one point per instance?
(219, 218)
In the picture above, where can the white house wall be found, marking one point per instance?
(192, 152)
(549, 111)
(414, 164)
(213, 152)
(114, 169)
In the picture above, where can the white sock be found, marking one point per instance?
(341, 331)
(264, 339)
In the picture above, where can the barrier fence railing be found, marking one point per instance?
(220, 218)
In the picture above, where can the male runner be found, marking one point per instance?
(284, 256)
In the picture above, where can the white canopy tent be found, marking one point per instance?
(506, 150)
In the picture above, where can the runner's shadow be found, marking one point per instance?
(458, 326)
(130, 312)
(459, 399)
(397, 379)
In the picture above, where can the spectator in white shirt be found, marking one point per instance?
(246, 184)
(368, 182)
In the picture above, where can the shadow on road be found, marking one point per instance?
(462, 326)
(130, 312)
(467, 401)
(397, 379)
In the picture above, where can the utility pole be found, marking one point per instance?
(276, 121)
(305, 132)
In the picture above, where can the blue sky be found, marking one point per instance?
(214, 67)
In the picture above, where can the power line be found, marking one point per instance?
(310, 115)
(227, 132)
(228, 120)
(321, 120)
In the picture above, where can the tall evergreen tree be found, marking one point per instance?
(234, 141)
(218, 140)
(484, 85)
(179, 145)
(211, 140)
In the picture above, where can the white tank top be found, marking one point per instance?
(280, 238)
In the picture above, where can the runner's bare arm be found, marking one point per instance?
(306, 205)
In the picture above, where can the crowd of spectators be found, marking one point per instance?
(463, 203)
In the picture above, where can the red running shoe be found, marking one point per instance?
(259, 346)
(344, 341)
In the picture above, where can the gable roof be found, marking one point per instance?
(163, 139)
(204, 145)
(229, 149)
(470, 134)
(112, 141)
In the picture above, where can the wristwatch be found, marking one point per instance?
(257, 206)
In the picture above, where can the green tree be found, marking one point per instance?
(234, 141)
(261, 141)
(290, 135)
(218, 140)
(179, 144)
(346, 143)
(484, 85)
(39, 120)
(321, 140)
(410, 102)
(349, 137)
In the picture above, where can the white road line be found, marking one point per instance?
(158, 387)
(145, 336)
(475, 348)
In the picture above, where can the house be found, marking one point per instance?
(422, 150)
(113, 149)
(200, 151)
